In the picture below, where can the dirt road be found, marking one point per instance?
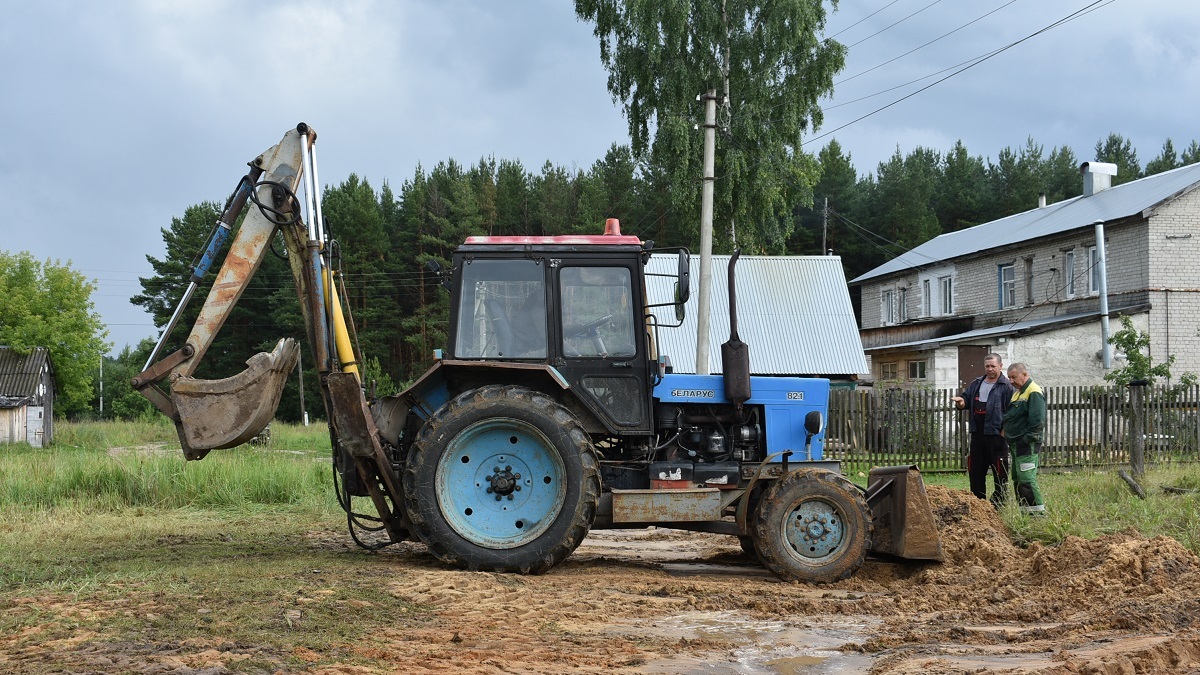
(657, 601)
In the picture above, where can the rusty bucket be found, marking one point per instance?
(905, 525)
(214, 414)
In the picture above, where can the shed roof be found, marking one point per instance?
(793, 311)
(1137, 197)
(20, 374)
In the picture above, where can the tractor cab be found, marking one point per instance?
(573, 305)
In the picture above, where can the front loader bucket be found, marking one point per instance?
(904, 522)
(213, 414)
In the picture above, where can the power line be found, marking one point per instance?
(894, 24)
(1074, 15)
(863, 19)
(943, 35)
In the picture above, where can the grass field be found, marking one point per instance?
(111, 467)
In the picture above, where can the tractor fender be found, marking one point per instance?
(449, 377)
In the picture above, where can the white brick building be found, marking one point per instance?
(1028, 287)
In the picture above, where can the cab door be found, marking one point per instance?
(601, 341)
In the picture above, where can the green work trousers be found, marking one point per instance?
(1024, 475)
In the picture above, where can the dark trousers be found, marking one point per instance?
(988, 452)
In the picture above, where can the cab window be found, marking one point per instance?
(502, 311)
(597, 312)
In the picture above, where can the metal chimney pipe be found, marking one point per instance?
(1105, 348)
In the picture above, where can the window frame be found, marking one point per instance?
(946, 292)
(920, 364)
(887, 309)
(1007, 287)
(1028, 281)
(1069, 273)
(1093, 270)
(893, 366)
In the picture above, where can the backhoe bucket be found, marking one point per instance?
(213, 414)
(904, 522)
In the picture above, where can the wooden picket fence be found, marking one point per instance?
(1085, 426)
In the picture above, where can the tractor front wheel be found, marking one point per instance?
(812, 526)
(502, 478)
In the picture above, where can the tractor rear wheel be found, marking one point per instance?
(502, 478)
(812, 526)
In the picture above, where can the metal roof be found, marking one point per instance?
(1128, 199)
(1018, 327)
(19, 375)
(793, 311)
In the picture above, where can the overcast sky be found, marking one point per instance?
(118, 115)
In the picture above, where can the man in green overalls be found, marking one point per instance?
(1023, 425)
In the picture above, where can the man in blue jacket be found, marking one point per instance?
(987, 398)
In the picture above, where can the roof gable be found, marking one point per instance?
(1128, 199)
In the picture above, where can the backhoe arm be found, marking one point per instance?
(212, 414)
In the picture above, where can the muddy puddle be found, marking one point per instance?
(775, 647)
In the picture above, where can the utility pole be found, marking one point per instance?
(825, 227)
(706, 218)
(101, 386)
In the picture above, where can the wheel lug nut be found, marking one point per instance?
(510, 497)
(489, 490)
(517, 488)
(508, 468)
(497, 497)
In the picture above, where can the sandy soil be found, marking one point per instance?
(657, 601)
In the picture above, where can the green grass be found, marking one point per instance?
(112, 533)
(1089, 504)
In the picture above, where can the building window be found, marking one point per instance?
(946, 285)
(1094, 270)
(926, 297)
(916, 370)
(888, 309)
(1008, 286)
(889, 371)
(902, 305)
(1069, 273)
(1029, 281)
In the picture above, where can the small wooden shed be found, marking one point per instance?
(26, 397)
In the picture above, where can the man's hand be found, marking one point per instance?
(958, 402)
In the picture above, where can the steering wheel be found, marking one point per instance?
(590, 327)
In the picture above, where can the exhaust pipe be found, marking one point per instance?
(735, 354)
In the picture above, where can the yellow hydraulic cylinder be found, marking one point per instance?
(341, 336)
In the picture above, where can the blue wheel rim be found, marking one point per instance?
(814, 530)
(500, 483)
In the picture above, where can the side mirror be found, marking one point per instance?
(436, 268)
(683, 285)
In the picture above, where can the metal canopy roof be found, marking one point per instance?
(793, 311)
(1018, 327)
(1129, 199)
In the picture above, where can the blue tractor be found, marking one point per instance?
(550, 412)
